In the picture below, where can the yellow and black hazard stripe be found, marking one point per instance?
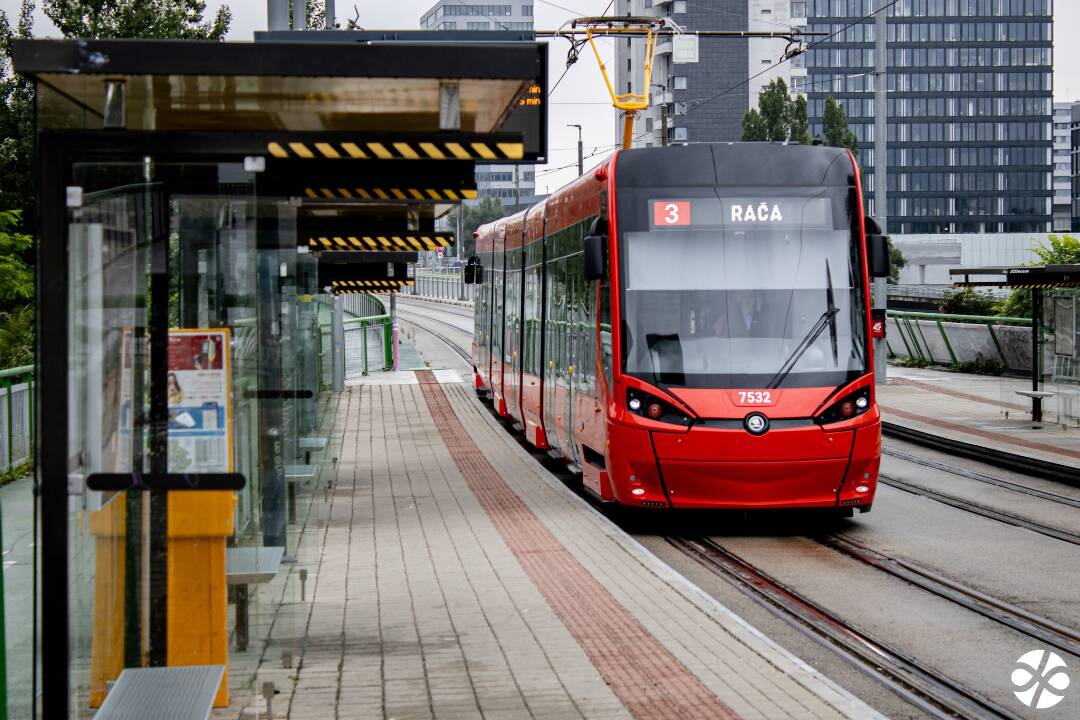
(1044, 286)
(461, 149)
(391, 193)
(381, 243)
(368, 286)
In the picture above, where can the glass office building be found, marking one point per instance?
(970, 108)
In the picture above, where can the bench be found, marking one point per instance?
(248, 566)
(295, 474)
(177, 693)
(307, 444)
(1037, 396)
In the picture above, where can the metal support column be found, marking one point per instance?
(337, 343)
(394, 327)
(880, 288)
(1036, 354)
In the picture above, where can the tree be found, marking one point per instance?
(897, 262)
(753, 127)
(488, 209)
(16, 277)
(778, 117)
(16, 293)
(1062, 250)
(316, 14)
(16, 118)
(800, 123)
(148, 19)
(835, 125)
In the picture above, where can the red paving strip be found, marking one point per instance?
(999, 437)
(648, 679)
(957, 394)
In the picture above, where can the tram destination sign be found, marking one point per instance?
(747, 211)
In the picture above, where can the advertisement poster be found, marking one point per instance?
(200, 406)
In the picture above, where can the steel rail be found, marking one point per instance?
(1017, 618)
(465, 355)
(440, 307)
(972, 475)
(979, 509)
(925, 688)
(1035, 467)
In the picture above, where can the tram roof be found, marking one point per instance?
(735, 164)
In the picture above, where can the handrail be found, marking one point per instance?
(17, 371)
(945, 317)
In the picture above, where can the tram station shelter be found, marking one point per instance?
(1055, 328)
(196, 200)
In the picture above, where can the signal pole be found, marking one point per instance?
(880, 289)
(580, 151)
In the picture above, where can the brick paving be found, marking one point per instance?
(980, 410)
(450, 577)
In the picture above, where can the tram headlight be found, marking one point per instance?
(648, 406)
(846, 407)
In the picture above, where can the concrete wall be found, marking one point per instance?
(970, 343)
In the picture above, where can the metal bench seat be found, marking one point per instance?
(165, 693)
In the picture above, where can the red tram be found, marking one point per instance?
(690, 327)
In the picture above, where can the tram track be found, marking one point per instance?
(915, 682)
(465, 354)
(980, 509)
(924, 687)
(1034, 626)
(980, 477)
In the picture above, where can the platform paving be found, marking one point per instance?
(450, 576)
(983, 410)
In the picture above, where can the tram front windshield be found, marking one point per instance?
(759, 290)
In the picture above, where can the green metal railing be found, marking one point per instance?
(17, 416)
(916, 345)
(368, 312)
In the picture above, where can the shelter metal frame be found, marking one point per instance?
(1033, 278)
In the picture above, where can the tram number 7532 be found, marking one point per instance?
(755, 397)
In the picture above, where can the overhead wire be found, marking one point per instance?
(809, 47)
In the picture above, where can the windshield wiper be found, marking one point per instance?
(832, 309)
(827, 320)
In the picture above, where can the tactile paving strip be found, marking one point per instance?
(643, 674)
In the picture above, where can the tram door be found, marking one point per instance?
(555, 292)
(575, 328)
(565, 282)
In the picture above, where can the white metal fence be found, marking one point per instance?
(16, 420)
(443, 284)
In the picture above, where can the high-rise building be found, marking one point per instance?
(497, 181)
(1062, 167)
(1074, 126)
(705, 101)
(970, 108)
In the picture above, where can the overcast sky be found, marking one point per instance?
(581, 97)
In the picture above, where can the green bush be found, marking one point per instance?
(17, 337)
(969, 301)
(1063, 250)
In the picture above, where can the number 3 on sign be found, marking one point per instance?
(669, 213)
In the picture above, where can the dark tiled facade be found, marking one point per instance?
(970, 108)
(722, 65)
(1075, 133)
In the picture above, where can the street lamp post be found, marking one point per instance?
(580, 150)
